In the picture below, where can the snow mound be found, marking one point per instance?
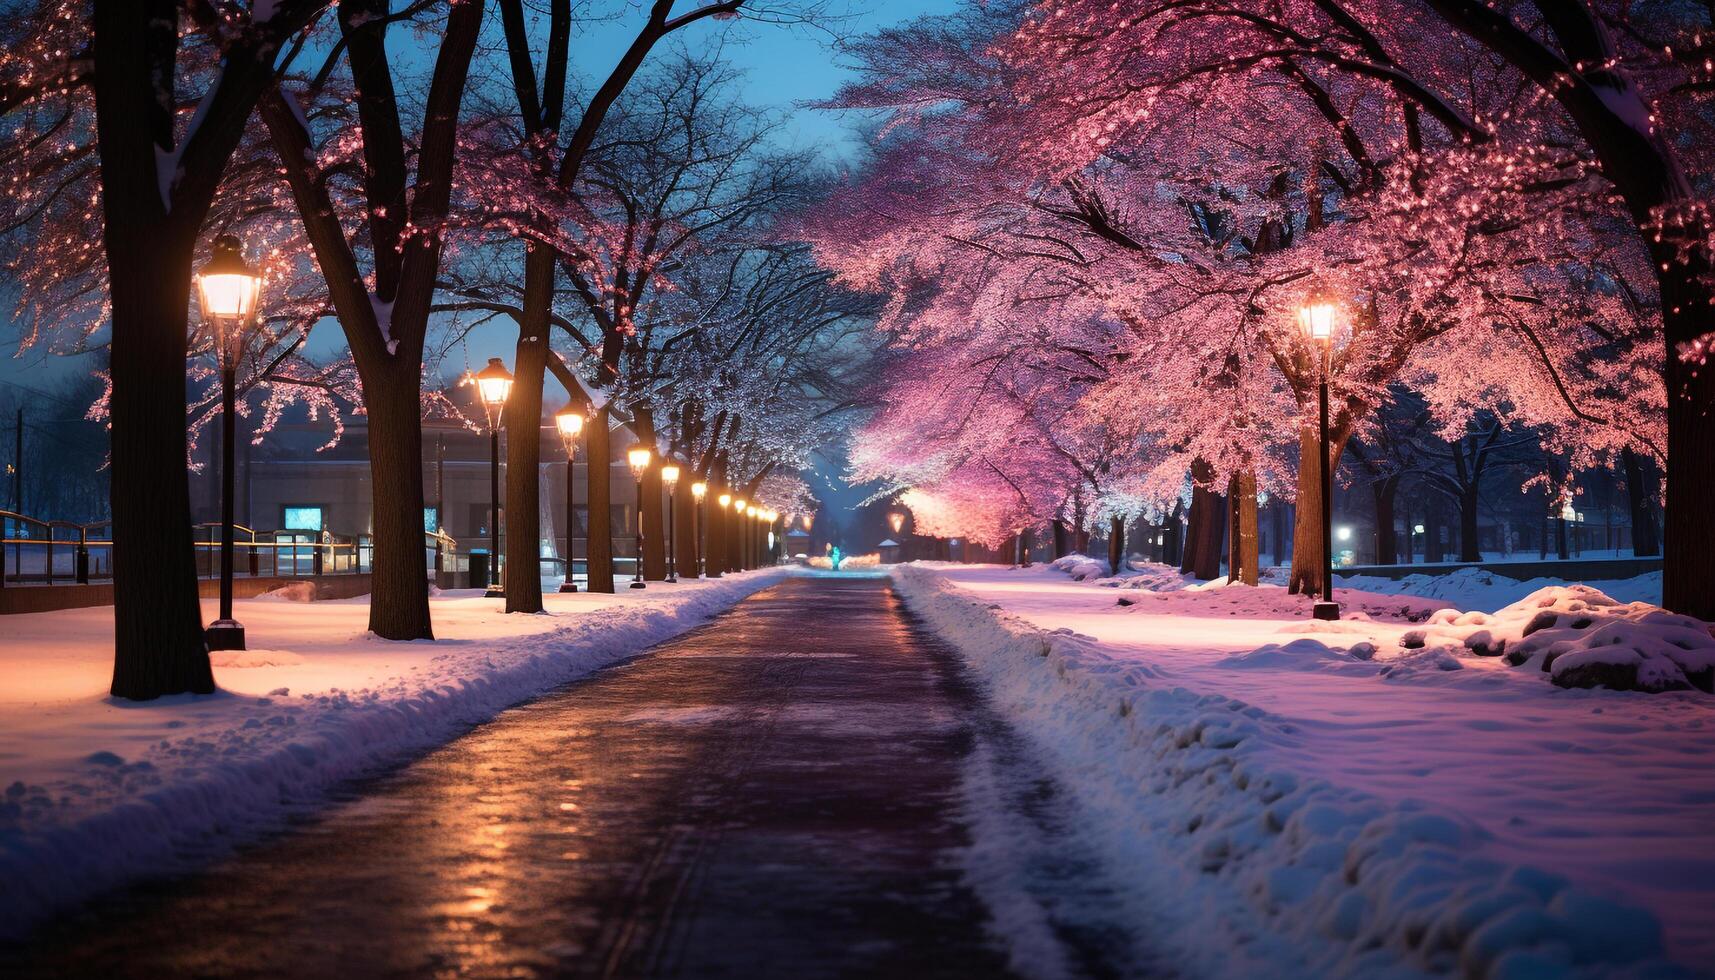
(1080, 567)
(291, 592)
(1305, 654)
(1156, 577)
(254, 658)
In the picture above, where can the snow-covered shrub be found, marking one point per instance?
(1080, 567)
(1582, 638)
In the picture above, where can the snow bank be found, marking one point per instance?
(1478, 588)
(1239, 847)
(96, 792)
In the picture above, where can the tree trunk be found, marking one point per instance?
(1387, 544)
(1116, 545)
(1307, 558)
(1640, 485)
(1432, 547)
(1277, 507)
(1025, 544)
(1242, 548)
(524, 441)
(598, 466)
(1062, 541)
(159, 646)
(1207, 528)
(399, 594)
(1468, 543)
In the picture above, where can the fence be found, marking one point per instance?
(34, 551)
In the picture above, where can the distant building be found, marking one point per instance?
(289, 483)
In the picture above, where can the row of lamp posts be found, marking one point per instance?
(229, 290)
(494, 385)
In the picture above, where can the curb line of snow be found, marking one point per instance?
(203, 810)
(1233, 861)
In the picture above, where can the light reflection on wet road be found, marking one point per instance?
(781, 793)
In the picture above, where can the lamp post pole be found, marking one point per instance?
(1316, 319)
(670, 477)
(638, 457)
(494, 588)
(569, 424)
(637, 565)
(699, 521)
(1327, 608)
(227, 290)
(493, 384)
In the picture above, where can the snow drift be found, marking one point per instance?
(1248, 866)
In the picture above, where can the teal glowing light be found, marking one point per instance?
(836, 558)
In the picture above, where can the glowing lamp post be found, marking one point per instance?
(1316, 321)
(699, 557)
(227, 291)
(638, 457)
(752, 556)
(725, 564)
(738, 533)
(670, 478)
(570, 425)
(493, 385)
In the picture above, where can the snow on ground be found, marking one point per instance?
(95, 791)
(1313, 798)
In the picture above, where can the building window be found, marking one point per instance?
(431, 519)
(302, 519)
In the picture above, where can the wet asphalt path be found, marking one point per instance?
(788, 791)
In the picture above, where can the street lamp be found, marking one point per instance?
(699, 520)
(753, 553)
(725, 501)
(1316, 321)
(896, 520)
(227, 291)
(638, 457)
(493, 384)
(738, 533)
(670, 478)
(570, 424)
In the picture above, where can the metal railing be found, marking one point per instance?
(64, 552)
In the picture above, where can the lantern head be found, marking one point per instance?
(1316, 319)
(699, 490)
(725, 500)
(227, 291)
(670, 475)
(638, 457)
(493, 384)
(570, 424)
